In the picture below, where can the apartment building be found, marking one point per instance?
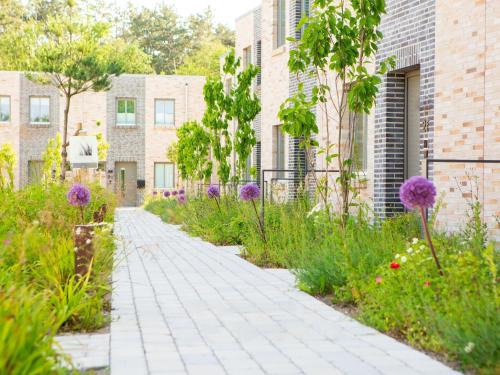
(441, 101)
(138, 117)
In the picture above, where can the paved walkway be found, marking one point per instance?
(184, 306)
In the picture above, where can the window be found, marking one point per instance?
(361, 143)
(305, 8)
(279, 146)
(280, 23)
(4, 108)
(165, 112)
(39, 110)
(247, 57)
(125, 112)
(164, 175)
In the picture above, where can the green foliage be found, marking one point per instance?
(102, 147)
(37, 282)
(192, 152)
(204, 61)
(52, 160)
(7, 163)
(234, 103)
(338, 38)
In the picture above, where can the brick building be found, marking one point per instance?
(138, 117)
(442, 101)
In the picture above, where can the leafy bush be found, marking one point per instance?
(37, 255)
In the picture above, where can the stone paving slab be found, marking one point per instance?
(87, 351)
(184, 306)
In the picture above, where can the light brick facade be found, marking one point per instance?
(143, 143)
(455, 52)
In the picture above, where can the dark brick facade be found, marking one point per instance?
(409, 35)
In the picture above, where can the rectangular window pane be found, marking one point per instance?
(130, 106)
(159, 176)
(169, 176)
(121, 106)
(4, 108)
(280, 23)
(360, 142)
(40, 110)
(125, 112)
(164, 112)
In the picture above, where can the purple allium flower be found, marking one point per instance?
(249, 192)
(181, 199)
(181, 191)
(155, 193)
(78, 195)
(166, 194)
(417, 192)
(213, 191)
(175, 192)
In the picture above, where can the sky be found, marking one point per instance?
(225, 11)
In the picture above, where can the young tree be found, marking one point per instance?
(231, 102)
(338, 43)
(76, 55)
(7, 163)
(192, 152)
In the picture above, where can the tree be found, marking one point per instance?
(205, 61)
(7, 162)
(75, 55)
(224, 104)
(339, 39)
(161, 35)
(192, 152)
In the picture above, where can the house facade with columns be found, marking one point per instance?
(436, 111)
(138, 118)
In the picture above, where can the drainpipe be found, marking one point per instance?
(186, 95)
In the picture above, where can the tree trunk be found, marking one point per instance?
(64, 152)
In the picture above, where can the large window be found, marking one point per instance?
(280, 23)
(279, 147)
(361, 142)
(164, 175)
(125, 112)
(4, 108)
(164, 112)
(39, 110)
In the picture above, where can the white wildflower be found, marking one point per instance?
(410, 250)
(469, 347)
(414, 241)
(88, 241)
(403, 259)
(422, 247)
(78, 231)
(397, 256)
(75, 249)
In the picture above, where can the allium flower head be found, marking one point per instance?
(166, 194)
(78, 195)
(249, 192)
(174, 192)
(417, 192)
(181, 199)
(155, 193)
(182, 191)
(213, 191)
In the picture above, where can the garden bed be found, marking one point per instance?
(37, 274)
(380, 272)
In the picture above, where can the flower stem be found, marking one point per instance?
(81, 212)
(261, 227)
(429, 241)
(218, 205)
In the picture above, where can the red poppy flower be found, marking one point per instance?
(395, 265)
(378, 280)
(427, 283)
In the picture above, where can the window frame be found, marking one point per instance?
(126, 113)
(280, 142)
(280, 26)
(39, 97)
(8, 121)
(164, 163)
(164, 125)
(247, 56)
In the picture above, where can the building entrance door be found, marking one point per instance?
(126, 183)
(412, 124)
